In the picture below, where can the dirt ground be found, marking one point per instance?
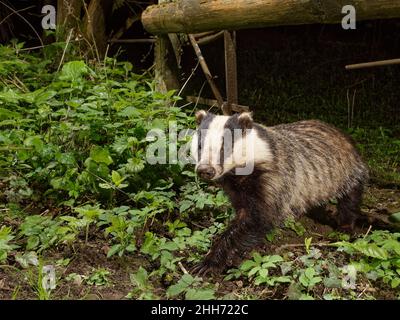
(84, 258)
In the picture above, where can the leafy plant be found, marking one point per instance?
(294, 225)
(99, 277)
(6, 247)
(192, 287)
(143, 288)
(309, 278)
(258, 269)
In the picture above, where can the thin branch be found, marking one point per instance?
(182, 268)
(12, 13)
(206, 71)
(211, 38)
(187, 80)
(150, 40)
(65, 49)
(294, 245)
(23, 18)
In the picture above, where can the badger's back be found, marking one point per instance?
(312, 162)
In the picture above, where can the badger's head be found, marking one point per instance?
(224, 144)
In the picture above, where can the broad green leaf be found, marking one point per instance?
(113, 250)
(101, 155)
(140, 277)
(34, 141)
(26, 259)
(184, 205)
(200, 294)
(73, 70)
(395, 217)
(247, 265)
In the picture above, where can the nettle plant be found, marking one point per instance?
(80, 133)
(83, 129)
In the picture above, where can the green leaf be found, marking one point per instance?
(130, 112)
(395, 283)
(180, 287)
(135, 165)
(33, 242)
(26, 259)
(140, 277)
(34, 141)
(184, 205)
(307, 243)
(113, 250)
(116, 178)
(100, 155)
(73, 70)
(395, 217)
(200, 294)
(247, 265)
(371, 250)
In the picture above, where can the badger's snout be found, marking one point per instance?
(206, 172)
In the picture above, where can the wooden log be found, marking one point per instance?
(192, 16)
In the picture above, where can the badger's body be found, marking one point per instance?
(295, 167)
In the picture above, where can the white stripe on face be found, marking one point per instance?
(248, 150)
(212, 141)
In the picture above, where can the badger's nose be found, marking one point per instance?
(205, 171)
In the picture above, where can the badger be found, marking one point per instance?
(271, 174)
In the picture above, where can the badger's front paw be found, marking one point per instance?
(207, 267)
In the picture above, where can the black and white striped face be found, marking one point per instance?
(224, 144)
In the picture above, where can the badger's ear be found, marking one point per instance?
(246, 120)
(200, 116)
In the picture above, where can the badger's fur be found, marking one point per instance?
(297, 166)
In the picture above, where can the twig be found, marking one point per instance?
(211, 38)
(206, 71)
(362, 292)
(203, 34)
(23, 18)
(293, 245)
(65, 49)
(187, 80)
(46, 45)
(210, 102)
(369, 229)
(150, 40)
(15, 12)
(90, 26)
(110, 184)
(182, 268)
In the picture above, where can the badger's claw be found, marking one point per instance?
(205, 268)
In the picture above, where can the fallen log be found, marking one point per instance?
(191, 16)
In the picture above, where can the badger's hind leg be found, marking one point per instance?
(349, 208)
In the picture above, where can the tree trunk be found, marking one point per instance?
(68, 16)
(166, 68)
(95, 25)
(190, 16)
